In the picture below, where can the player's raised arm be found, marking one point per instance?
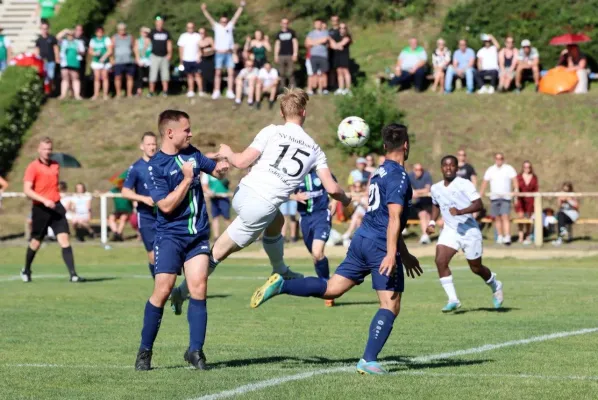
(168, 202)
(435, 214)
(204, 9)
(239, 160)
(332, 187)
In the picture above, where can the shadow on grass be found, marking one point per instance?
(355, 303)
(218, 296)
(486, 309)
(100, 279)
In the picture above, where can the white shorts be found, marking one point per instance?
(254, 214)
(470, 242)
(98, 66)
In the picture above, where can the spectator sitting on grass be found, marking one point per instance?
(317, 42)
(411, 67)
(5, 51)
(246, 81)
(286, 52)
(567, 215)
(267, 83)
(70, 51)
(488, 64)
(360, 174)
(462, 67)
(507, 62)
(528, 64)
(576, 61)
(189, 57)
(441, 59)
(421, 182)
(258, 47)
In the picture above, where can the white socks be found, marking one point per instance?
(492, 282)
(274, 247)
(449, 288)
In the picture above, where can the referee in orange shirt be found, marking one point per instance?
(41, 186)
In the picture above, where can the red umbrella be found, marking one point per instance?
(569, 38)
(29, 60)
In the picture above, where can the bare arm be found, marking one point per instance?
(432, 225)
(206, 14)
(267, 44)
(238, 13)
(393, 231)
(475, 206)
(56, 53)
(479, 63)
(332, 187)
(220, 170)
(131, 195)
(3, 184)
(472, 62)
(276, 50)
(483, 188)
(239, 160)
(181, 51)
(515, 184)
(495, 42)
(295, 49)
(501, 59)
(169, 50)
(29, 192)
(474, 180)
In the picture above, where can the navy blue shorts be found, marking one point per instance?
(191, 67)
(364, 258)
(171, 252)
(315, 227)
(148, 235)
(128, 69)
(220, 206)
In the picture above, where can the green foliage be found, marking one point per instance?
(536, 20)
(21, 96)
(90, 13)
(362, 10)
(377, 106)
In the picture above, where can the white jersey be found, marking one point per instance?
(287, 155)
(460, 193)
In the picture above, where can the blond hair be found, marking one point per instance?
(293, 102)
(45, 140)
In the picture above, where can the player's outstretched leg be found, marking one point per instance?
(444, 254)
(380, 329)
(154, 308)
(490, 278)
(196, 272)
(274, 247)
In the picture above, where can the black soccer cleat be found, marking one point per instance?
(196, 358)
(144, 360)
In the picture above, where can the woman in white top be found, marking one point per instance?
(567, 215)
(80, 206)
(441, 58)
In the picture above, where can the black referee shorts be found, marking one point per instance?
(43, 218)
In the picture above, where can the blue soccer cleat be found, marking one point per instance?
(370, 368)
(497, 296)
(268, 290)
(176, 301)
(451, 306)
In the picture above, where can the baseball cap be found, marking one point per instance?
(485, 37)
(526, 43)
(159, 18)
(361, 160)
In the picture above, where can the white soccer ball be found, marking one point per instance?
(353, 132)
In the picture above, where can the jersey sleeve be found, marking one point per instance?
(131, 178)
(205, 164)
(512, 172)
(488, 174)
(470, 190)
(321, 161)
(397, 187)
(433, 196)
(29, 174)
(159, 186)
(261, 140)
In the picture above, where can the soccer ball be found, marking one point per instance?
(353, 132)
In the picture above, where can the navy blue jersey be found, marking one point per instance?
(138, 179)
(389, 185)
(318, 197)
(190, 217)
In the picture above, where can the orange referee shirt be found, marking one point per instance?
(44, 178)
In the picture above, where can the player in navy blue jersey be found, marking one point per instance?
(377, 249)
(316, 211)
(136, 188)
(182, 233)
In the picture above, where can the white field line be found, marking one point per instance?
(252, 387)
(520, 376)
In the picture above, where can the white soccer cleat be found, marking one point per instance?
(291, 275)
(497, 296)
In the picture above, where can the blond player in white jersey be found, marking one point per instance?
(457, 199)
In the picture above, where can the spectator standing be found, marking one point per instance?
(462, 68)
(246, 82)
(80, 36)
(123, 46)
(421, 182)
(360, 174)
(567, 215)
(46, 47)
(286, 53)
(47, 9)
(527, 182)
(5, 50)
(80, 206)
(289, 212)
(441, 59)
(411, 67)
(267, 82)
(71, 51)
(189, 56)
(508, 58)
(217, 190)
(576, 61)
(206, 65)
(100, 49)
(488, 64)
(466, 170)
(160, 57)
(334, 33)
(41, 186)
(257, 48)
(224, 43)
(317, 41)
(528, 61)
(503, 181)
(370, 165)
(341, 58)
(143, 51)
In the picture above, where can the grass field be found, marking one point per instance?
(67, 341)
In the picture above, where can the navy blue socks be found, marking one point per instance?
(197, 315)
(380, 329)
(306, 287)
(151, 324)
(322, 268)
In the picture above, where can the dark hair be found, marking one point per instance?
(394, 136)
(83, 185)
(531, 168)
(170, 116)
(98, 28)
(569, 185)
(62, 185)
(147, 134)
(449, 157)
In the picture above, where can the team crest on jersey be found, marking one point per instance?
(317, 182)
(192, 160)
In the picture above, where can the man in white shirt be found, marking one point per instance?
(224, 42)
(189, 55)
(488, 64)
(503, 181)
(280, 156)
(245, 83)
(457, 199)
(267, 82)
